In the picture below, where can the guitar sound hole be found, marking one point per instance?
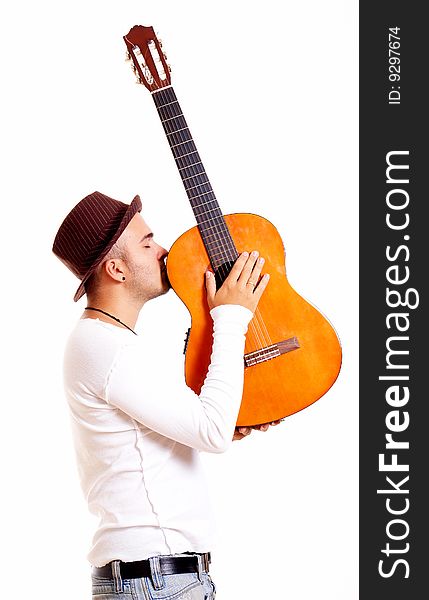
(222, 273)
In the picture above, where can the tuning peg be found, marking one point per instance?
(165, 56)
(169, 68)
(134, 68)
(127, 55)
(160, 42)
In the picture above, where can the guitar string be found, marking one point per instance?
(166, 113)
(189, 166)
(169, 100)
(197, 176)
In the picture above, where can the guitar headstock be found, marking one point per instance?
(149, 64)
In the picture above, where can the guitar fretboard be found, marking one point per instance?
(213, 229)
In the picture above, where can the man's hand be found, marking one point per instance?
(242, 286)
(242, 432)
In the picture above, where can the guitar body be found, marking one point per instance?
(285, 384)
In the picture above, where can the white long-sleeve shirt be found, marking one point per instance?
(137, 438)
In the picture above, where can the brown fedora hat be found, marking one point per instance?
(89, 231)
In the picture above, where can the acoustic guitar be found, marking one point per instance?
(292, 353)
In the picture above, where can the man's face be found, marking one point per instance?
(145, 261)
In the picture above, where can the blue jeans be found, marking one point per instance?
(184, 586)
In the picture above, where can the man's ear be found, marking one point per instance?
(114, 268)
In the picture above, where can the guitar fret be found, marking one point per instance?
(189, 166)
(196, 175)
(175, 125)
(203, 203)
(199, 185)
(187, 161)
(177, 131)
(176, 136)
(188, 146)
(220, 254)
(212, 219)
(222, 247)
(181, 143)
(216, 233)
(219, 258)
(183, 155)
(171, 118)
(200, 196)
(206, 212)
(220, 233)
(220, 243)
(225, 237)
(216, 214)
(223, 254)
(169, 107)
(168, 104)
(212, 227)
(203, 185)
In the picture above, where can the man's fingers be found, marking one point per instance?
(238, 266)
(244, 430)
(266, 426)
(210, 286)
(241, 432)
(248, 267)
(253, 277)
(262, 285)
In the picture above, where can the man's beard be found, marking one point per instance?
(140, 290)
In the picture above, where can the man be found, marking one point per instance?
(137, 438)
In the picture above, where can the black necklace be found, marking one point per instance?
(111, 316)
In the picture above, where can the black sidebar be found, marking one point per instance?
(394, 357)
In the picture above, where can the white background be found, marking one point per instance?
(269, 90)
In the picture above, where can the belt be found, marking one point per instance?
(169, 565)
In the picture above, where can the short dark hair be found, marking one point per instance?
(117, 251)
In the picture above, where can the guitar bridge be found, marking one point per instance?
(269, 352)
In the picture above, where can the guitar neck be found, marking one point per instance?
(213, 229)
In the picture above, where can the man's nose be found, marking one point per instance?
(162, 252)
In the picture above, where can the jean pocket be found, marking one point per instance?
(104, 589)
(184, 586)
